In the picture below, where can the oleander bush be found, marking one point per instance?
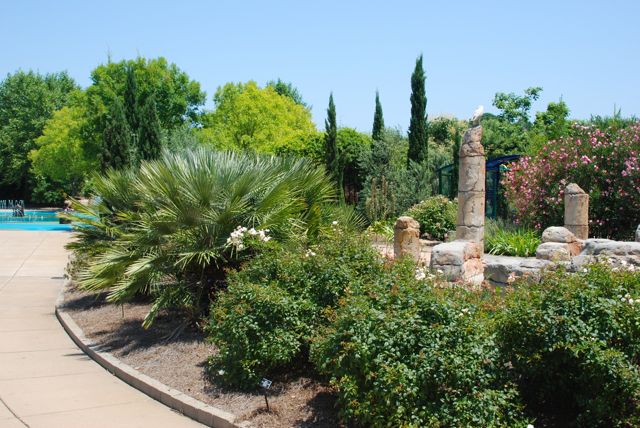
(604, 162)
(402, 354)
(436, 215)
(274, 305)
(572, 346)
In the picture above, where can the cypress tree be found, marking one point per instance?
(418, 150)
(378, 121)
(331, 144)
(149, 133)
(131, 101)
(116, 144)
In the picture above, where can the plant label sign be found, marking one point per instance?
(265, 383)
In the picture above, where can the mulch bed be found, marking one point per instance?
(179, 362)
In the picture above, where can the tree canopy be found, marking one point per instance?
(27, 101)
(252, 118)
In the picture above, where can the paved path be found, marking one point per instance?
(45, 380)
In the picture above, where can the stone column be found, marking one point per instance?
(471, 189)
(406, 238)
(576, 211)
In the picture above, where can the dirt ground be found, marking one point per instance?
(180, 362)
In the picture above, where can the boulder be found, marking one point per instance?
(558, 234)
(459, 261)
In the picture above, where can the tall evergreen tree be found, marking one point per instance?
(149, 132)
(116, 144)
(132, 101)
(418, 150)
(378, 121)
(331, 144)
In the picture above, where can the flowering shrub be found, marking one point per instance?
(572, 345)
(273, 307)
(604, 163)
(402, 354)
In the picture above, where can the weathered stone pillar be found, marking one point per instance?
(406, 238)
(576, 211)
(471, 189)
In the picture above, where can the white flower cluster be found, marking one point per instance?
(622, 265)
(627, 299)
(237, 236)
(310, 253)
(423, 273)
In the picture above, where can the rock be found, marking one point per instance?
(557, 234)
(607, 247)
(406, 238)
(553, 251)
(638, 234)
(499, 269)
(459, 261)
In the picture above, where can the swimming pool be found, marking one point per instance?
(38, 220)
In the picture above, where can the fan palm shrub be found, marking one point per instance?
(164, 229)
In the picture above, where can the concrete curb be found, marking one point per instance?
(188, 406)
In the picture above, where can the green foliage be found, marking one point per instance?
(391, 186)
(400, 354)
(132, 101)
(273, 307)
(117, 149)
(418, 148)
(507, 133)
(286, 89)
(60, 157)
(331, 158)
(247, 117)
(178, 97)
(572, 347)
(149, 133)
(510, 240)
(436, 215)
(27, 101)
(378, 120)
(165, 229)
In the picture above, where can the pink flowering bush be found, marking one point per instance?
(604, 163)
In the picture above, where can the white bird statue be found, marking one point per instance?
(477, 115)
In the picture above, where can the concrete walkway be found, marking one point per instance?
(45, 380)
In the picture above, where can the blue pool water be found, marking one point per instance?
(32, 220)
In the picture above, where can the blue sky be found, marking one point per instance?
(586, 52)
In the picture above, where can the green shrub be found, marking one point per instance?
(165, 229)
(436, 215)
(508, 240)
(401, 355)
(273, 307)
(573, 346)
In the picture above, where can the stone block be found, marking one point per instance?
(459, 261)
(554, 251)
(557, 234)
(406, 238)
